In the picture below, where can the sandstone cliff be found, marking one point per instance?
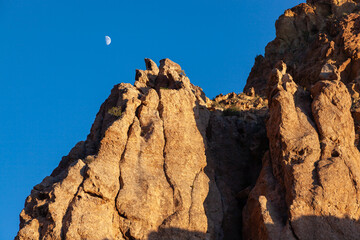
(308, 186)
(320, 37)
(280, 161)
(160, 162)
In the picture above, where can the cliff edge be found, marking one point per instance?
(162, 161)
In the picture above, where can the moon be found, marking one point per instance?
(107, 40)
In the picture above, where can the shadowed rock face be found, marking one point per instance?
(157, 164)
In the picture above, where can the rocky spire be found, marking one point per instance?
(310, 37)
(157, 164)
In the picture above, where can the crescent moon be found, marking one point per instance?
(107, 40)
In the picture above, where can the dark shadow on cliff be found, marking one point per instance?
(235, 144)
(307, 227)
(321, 228)
(176, 234)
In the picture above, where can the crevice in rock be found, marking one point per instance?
(208, 133)
(315, 175)
(121, 181)
(221, 195)
(293, 231)
(191, 194)
(94, 194)
(353, 181)
(335, 153)
(128, 236)
(315, 172)
(69, 208)
(176, 194)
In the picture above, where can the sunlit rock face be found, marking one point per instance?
(280, 161)
(308, 187)
(309, 37)
(160, 162)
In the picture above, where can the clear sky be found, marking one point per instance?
(56, 70)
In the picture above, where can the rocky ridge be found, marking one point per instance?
(280, 161)
(159, 163)
(317, 38)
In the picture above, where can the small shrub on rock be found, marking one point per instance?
(115, 111)
(232, 111)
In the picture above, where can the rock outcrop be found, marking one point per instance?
(159, 163)
(280, 161)
(308, 186)
(320, 37)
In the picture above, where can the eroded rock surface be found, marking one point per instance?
(308, 187)
(320, 37)
(162, 161)
(159, 163)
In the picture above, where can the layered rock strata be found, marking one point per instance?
(159, 163)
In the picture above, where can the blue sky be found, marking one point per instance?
(56, 70)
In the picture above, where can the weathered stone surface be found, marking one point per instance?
(168, 167)
(318, 40)
(308, 37)
(308, 188)
(162, 161)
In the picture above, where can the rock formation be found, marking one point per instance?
(280, 161)
(308, 186)
(320, 37)
(157, 164)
